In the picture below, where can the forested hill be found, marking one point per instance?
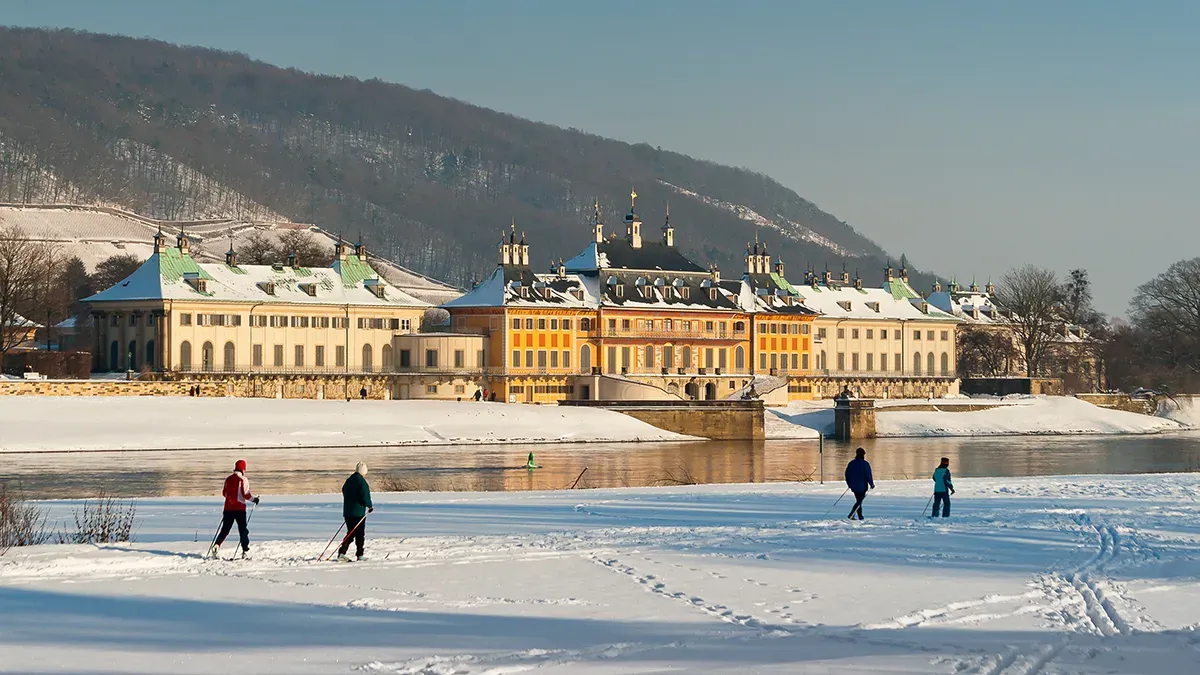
(184, 133)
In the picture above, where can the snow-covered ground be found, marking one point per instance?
(1083, 575)
(1014, 416)
(30, 424)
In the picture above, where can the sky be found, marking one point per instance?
(974, 137)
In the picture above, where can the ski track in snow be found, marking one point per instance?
(737, 579)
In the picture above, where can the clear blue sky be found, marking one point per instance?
(972, 136)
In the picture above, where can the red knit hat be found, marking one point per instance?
(240, 465)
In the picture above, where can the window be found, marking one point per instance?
(929, 364)
(945, 364)
(406, 325)
(870, 362)
(566, 324)
(685, 357)
(516, 358)
(854, 362)
(460, 358)
(541, 358)
(585, 359)
(566, 359)
(774, 361)
(203, 319)
(669, 356)
(528, 358)
(870, 333)
(945, 335)
(460, 388)
(883, 362)
(431, 389)
(256, 355)
(278, 354)
(762, 328)
(739, 358)
(883, 334)
(762, 361)
(341, 322)
(648, 357)
(625, 325)
(528, 324)
(854, 333)
(319, 356)
(406, 358)
(299, 356)
(625, 359)
(480, 360)
(916, 335)
(795, 360)
(541, 324)
(585, 325)
(553, 324)
(708, 326)
(774, 328)
(917, 364)
(206, 357)
(929, 335)
(516, 324)
(611, 360)
(184, 319)
(668, 325)
(612, 325)
(340, 356)
(431, 358)
(259, 321)
(841, 333)
(841, 361)
(185, 355)
(899, 361)
(708, 357)
(368, 358)
(821, 334)
(804, 361)
(896, 335)
(619, 291)
(554, 359)
(685, 326)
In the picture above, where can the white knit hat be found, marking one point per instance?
(361, 468)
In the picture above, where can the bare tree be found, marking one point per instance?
(24, 265)
(114, 269)
(984, 352)
(1166, 312)
(309, 252)
(1033, 295)
(258, 250)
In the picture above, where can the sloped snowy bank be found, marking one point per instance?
(1082, 575)
(1036, 415)
(30, 424)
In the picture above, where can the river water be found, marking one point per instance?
(501, 467)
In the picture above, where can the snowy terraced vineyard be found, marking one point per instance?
(1046, 575)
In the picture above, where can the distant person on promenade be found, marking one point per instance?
(356, 504)
(237, 495)
(943, 487)
(478, 394)
(362, 393)
(859, 480)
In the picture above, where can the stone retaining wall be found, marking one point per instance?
(1146, 406)
(716, 420)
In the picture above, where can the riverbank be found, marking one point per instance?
(1010, 416)
(1075, 574)
(76, 424)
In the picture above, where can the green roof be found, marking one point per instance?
(173, 265)
(354, 270)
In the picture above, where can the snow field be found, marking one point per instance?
(36, 423)
(1037, 415)
(1041, 575)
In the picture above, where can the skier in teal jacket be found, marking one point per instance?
(943, 487)
(356, 504)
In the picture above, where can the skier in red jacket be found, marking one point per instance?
(237, 495)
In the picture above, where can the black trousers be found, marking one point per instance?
(228, 518)
(358, 535)
(858, 500)
(941, 499)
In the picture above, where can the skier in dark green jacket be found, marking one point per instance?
(356, 504)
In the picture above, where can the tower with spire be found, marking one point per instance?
(633, 222)
(597, 226)
(668, 230)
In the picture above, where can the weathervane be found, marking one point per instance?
(632, 198)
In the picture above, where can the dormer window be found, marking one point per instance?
(197, 282)
(267, 287)
(309, 289)
(684, 292)
(873, 306)
(619, 290)
(712, 293)
(375, 286)
(578, 293)
(546, 293)
(844, 304)
(524, 291)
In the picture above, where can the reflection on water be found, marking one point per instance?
(500, 467)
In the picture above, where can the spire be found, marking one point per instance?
(597, 226)
(632, 199)
(158, 239)
(667, 229)
(230, 255)
(182, 242)
(633, 224)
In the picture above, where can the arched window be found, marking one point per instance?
(206, 357)
(185, 355)
(739, 326)
(945, 363)
(692, 390)
(917, 363)
(114, 356)
(230, 357)
(132, 355)
(929, 364)
(585, 324)
(739, 356)
(685, 357)
(150, 356)
(669, 356)
(710, 391)
(821, 365)
(368, 364)
(385, 356)
(673, 388)
(585, 358)
(648, 358)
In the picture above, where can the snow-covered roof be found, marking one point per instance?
(19, 321)
(174, 275)
(970, 306)
(96, 233)
(519, 286)
(896, 300)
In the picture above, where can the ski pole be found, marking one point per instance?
(335, 534)
(927, 505)
(350, 532)
(836, 503)
(216, 534)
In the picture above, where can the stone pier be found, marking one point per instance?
(853, 418)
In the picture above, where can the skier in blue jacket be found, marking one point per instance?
(943, 487)
(859, 480)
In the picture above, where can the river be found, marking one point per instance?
(501, 467)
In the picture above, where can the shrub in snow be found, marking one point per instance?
(21, 523)
(103, 520)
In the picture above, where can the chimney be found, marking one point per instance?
(292, 259)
